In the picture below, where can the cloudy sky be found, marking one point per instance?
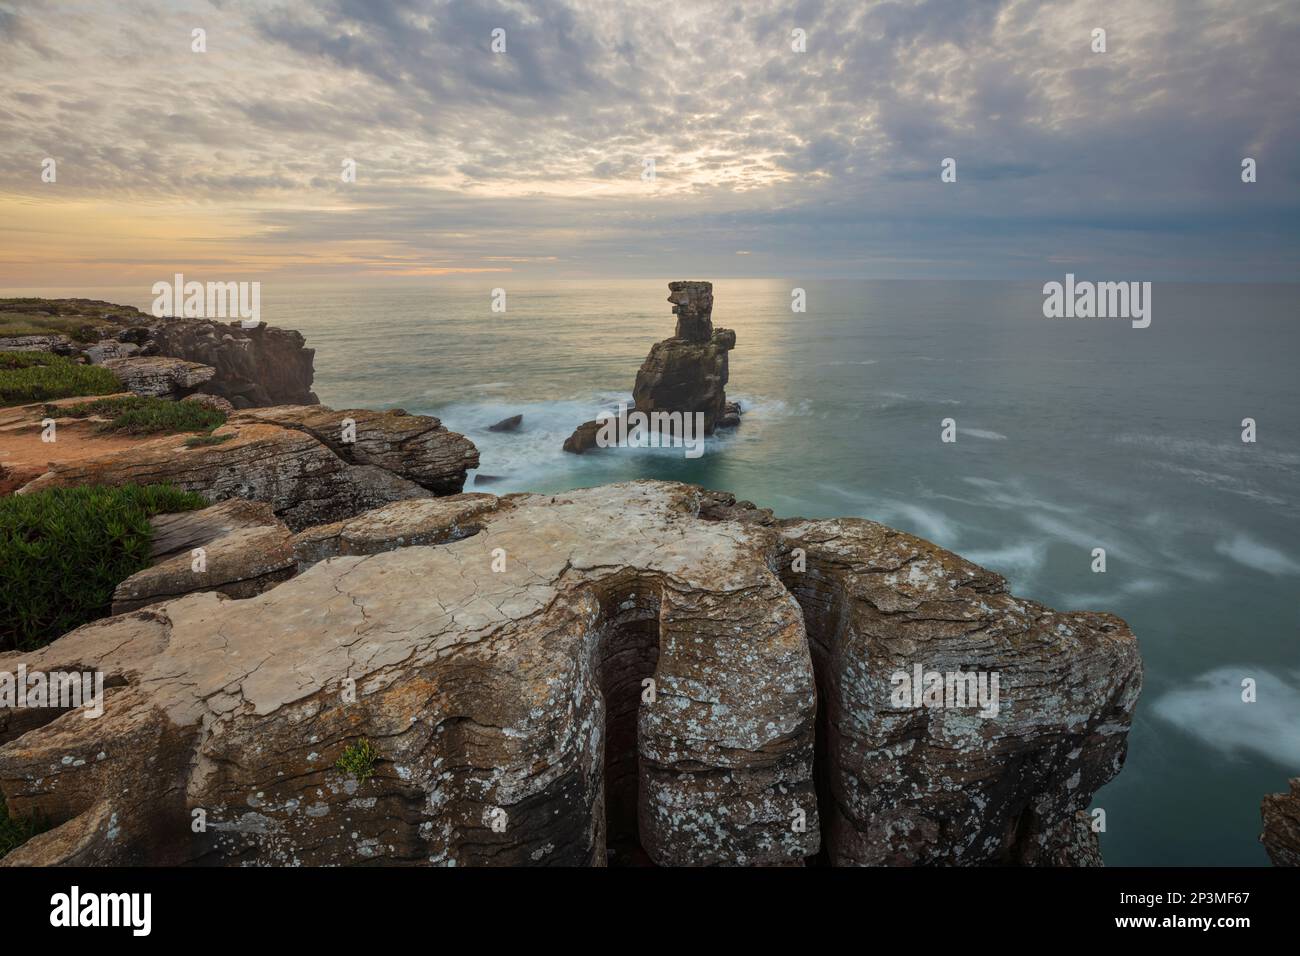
(768, 161)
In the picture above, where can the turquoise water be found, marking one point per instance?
(1072, 434)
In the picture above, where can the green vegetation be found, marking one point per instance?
(80, 319)
(198, 441)
(138, 415)
(64, 550)
(359, 760)
(41, 376)
(15, 831)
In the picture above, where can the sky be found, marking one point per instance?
(228, 163)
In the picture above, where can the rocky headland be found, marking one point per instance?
(645, 668)
(344, 659)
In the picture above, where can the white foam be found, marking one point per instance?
(1211, 709)
(1261, 557)
(982, 433)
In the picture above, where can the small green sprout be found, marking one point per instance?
(359, 760)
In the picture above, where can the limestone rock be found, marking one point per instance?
(254, 367)
(211, 401)
(504, 678)
(159, 376)
(918, 785)
(1281, 836)
(101, 352)
(420, 521)
(688, 373)
(416, 447)
(307, 477)
(583, 438)
(246, 550)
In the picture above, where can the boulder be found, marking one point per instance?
(1281, 815)
(510, 424)
(159, 376)
(416, 447)
(583, 438)
(245, 551)
(211, 401)
(634, 671)
(101, 352)
(307, 476)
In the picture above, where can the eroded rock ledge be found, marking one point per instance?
(310, 463)
(509, 706)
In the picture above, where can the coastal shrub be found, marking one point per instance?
(138, 415)
(41, 376)
(64, 550)
(358, 760)
(15, 831)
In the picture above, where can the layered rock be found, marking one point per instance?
(253, 366)
(237, 547)
(688, 372)
(685, 374)
(1281, 836)
(620, 671)
(420, 521)
(159, 376)
(296, 459)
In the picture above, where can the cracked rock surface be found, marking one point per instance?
(628, 670)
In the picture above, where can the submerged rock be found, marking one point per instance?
(645, 665)
(510, 424)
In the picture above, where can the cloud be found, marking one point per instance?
(822, 162)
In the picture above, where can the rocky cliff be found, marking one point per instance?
(310, 463)
(645, 671)
(1281, 836)
(251, 367)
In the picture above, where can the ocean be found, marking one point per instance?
(1072, 434)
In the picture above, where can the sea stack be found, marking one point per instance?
(686, 373)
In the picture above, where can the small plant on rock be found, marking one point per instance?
(358, 760)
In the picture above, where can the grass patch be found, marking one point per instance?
(82, 320)
(199, 441)
(64, 550)
(138, 415)
(359, 760)
(15, 831)
(42, 376)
